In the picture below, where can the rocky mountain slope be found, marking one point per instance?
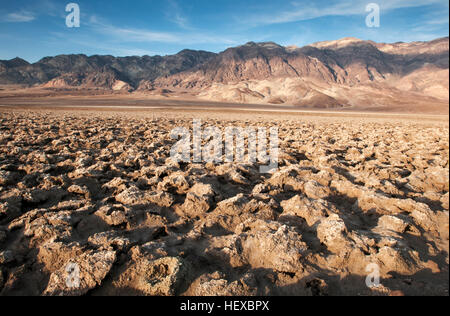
(97, 71)
(330, 74)
(343, 73)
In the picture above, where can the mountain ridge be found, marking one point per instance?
(329, 74)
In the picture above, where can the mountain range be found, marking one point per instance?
(335, 74)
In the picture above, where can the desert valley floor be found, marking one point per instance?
(94, 188)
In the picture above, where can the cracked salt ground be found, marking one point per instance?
(98, 190)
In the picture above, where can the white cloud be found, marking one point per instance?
(18, 17)
(175, 14)
(432, 22)
(181, 21)
(301, 11)
(132, 52)
(115, 50)
(129, 34)
(125, 34)
(137, 35)
(437, 19)
(34, 9)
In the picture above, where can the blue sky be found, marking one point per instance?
(37, 28)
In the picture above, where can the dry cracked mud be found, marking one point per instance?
(95, 193)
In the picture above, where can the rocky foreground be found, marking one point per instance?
(95, 195)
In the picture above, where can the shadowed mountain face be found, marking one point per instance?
(130, 69)
(346, 72)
